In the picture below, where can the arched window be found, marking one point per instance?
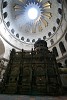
(44, 37)
(52, 41)
(55, 51)
(60, 11)
(8, 23)
(4, 4)
(59, 1)
(28, 40)
(33, 40)
(58, 21)
(22, 38)
(49, 34)
(17, 35)
(5, 15)
(66, 37)
(54, 28)
(12, 30)
(62, 48)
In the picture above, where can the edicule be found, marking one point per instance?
(32, 72)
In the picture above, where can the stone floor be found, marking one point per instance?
(8, 97)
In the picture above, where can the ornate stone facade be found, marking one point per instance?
(32, 72)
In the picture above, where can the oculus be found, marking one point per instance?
(32, 13)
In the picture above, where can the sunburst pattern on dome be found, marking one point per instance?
(42, 13)
(30, 20)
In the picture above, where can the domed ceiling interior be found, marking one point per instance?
(30, 20)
